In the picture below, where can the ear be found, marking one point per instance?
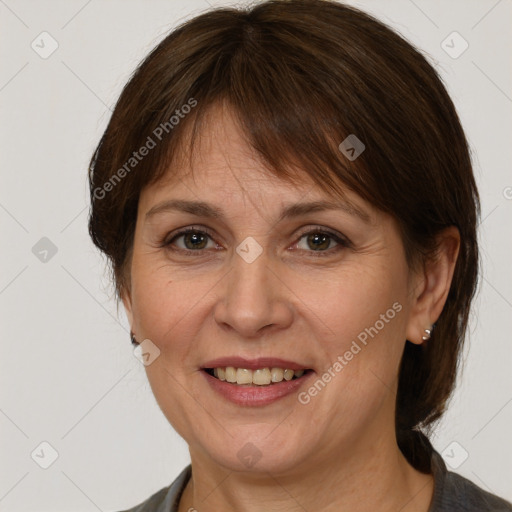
(432, 284)
(127, 302)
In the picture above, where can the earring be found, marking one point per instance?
(428, 332)
(132, 339)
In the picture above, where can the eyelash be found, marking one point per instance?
(340, 240)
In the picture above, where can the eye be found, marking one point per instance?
(192, 240)
(321, 241)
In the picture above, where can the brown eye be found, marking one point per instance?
(320, 242)
(190, 240)
(195, 240)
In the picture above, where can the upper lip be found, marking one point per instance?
(253, 364)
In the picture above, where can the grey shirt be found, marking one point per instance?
(452, 493)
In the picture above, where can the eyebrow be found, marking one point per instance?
(203, 209)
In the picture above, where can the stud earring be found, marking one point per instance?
(428, 332)
(132, 339)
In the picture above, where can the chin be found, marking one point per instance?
(257, 454)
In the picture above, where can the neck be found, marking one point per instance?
(355, 479)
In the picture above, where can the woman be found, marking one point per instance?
(286, 196)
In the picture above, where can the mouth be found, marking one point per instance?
(258, 377)
(255, 382)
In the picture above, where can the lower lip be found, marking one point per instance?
(255, 395)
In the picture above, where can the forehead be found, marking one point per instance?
(222, 168)
(222, 160)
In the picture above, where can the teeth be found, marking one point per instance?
(288, 374)
(277, 374)
(243, 376)
(220, 373)
(260, 377)
(230, 374)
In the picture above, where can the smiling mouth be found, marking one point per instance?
(260, 377)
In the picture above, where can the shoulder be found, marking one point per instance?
(167, 498)
(462, 494)
(453, 492)
(152, 504)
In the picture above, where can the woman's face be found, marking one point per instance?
(326, 289)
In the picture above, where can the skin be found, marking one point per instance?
(288, 303)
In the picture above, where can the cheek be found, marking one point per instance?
(364, 315)
(351, 301)
(158, 302)
(169, 307)
(166, 311)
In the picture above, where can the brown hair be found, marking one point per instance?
(302, 75)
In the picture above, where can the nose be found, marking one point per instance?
(253, 299)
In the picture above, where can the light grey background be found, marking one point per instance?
(68, 375)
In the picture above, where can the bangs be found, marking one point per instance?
(292, 119)
(276, 146)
